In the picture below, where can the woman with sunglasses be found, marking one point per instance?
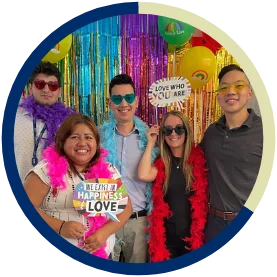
(179, 190)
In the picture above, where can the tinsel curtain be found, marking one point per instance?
(202, 107)
(132, 44)
(144, 58)
(128, 44)
(93, 60)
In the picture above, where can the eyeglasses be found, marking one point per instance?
(40, 84)
(129, 98)
(179, 130)
(237, 86)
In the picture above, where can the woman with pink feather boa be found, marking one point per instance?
(75, 156)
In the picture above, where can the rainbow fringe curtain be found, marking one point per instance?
(131, 44)
(124, 44)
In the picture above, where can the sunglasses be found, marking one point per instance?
(179, 130)
(237, 86)
(129, 98)
(40, 84)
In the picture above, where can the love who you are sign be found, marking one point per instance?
(172, 91)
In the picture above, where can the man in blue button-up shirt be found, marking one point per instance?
(124, 136)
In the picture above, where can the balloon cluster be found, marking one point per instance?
(199, 63)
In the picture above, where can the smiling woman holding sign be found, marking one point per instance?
(72, 167)
(179, 190)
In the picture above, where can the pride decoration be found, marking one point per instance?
(173, 31)
(96, 197)
(167, 92)
(198, 66)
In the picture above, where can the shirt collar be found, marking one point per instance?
(134, 131)
(248, 122)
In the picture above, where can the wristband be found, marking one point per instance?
(61, 227)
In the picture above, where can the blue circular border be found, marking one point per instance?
(22, 198)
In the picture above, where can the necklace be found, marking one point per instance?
(176, 163)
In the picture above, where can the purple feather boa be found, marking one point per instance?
(52, 115)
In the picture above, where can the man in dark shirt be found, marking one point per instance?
(233, 147)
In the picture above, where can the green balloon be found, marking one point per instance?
(175, 32)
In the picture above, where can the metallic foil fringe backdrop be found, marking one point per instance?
(144, 58)
(94, 58)
(131, 44)
(202, 107)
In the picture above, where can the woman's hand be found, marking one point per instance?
(72, 229)
(146, 171)
(152, 134)
(95, 240)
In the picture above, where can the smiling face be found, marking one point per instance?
(175, 141)
(234, 100)
(124, 112)
(80, 147)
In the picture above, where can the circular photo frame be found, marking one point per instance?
(148, 268)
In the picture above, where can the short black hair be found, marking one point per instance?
(228, 68)
(121, 79)
(48, 69)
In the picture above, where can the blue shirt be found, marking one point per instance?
(129, 154)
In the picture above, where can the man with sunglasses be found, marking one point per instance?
(233, 147)
(124, 135)
(38, 117)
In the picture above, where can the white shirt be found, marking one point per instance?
(24, 141)
(61, 206)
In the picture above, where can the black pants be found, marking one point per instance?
(176, 250)
(174, 243)
(214, 227)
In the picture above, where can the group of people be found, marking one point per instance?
(181, 195)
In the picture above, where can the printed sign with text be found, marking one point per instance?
(100, 196)
(172, 91)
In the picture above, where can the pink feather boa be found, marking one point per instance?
(57, 167)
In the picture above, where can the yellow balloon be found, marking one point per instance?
(198, 66)
(59, 51)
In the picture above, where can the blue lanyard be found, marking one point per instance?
(36, 141)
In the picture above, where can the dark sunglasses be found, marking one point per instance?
(129, 98)
(40, 84)
(179, 130)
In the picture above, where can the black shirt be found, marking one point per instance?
(178, 225)
(233, 161)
